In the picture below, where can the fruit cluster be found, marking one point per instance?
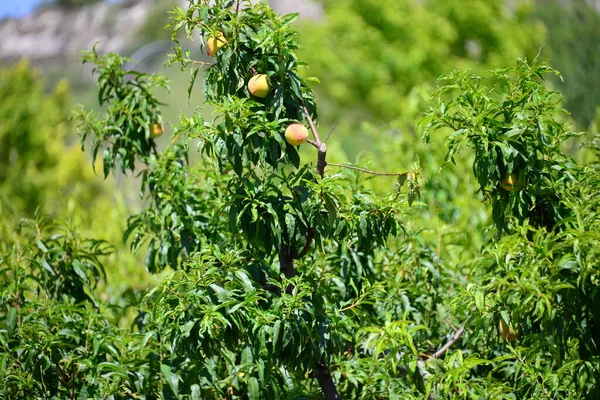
(258, 86)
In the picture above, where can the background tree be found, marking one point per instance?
(572, 36)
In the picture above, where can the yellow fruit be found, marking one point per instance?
(507, 332)
(214, 43)
(259, 86)
(157, 130)
(296, 134)
(513, 182)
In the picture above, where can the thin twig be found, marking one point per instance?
(451, 325)
(331, 131)
(197, 62)
(312, 142)
(350, 307)
(311, 124)
(369, 171)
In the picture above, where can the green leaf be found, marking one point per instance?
(11, 321)
(79, 269)
(253, 390)
(171, 378)
(196, 393)
(276, 333)
(243, 276)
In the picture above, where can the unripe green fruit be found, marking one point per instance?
(214, 43)
(296, 134)
(259, 86)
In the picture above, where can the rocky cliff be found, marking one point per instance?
(52, 34)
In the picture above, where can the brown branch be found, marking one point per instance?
(313, 143)
(369, 171)
(449, 343)
(451, 325)
(286, 265)
(322, 372)
(321, 159)
(321, 147)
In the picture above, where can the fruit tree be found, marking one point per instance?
(282, 276)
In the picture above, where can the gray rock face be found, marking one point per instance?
(306, 8)
(51, 33)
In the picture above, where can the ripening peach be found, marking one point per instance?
(258, 85)
(296, 134)
(214, 43)
(513, 182)
(157, 130)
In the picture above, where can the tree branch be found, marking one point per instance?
(321, 159)
(449, 343)
(286, 265)
(321, 147)
(286, 262)
(326, 382)
(367, 171)
(403, 369)
(311, 124)
(322, 372)
(309, 239)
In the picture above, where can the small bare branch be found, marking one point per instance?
(312, 142)
(331, 131)
(366, 171)
(451, 325)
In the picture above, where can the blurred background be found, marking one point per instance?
(377, 61)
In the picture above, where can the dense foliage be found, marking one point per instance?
(282, 278)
